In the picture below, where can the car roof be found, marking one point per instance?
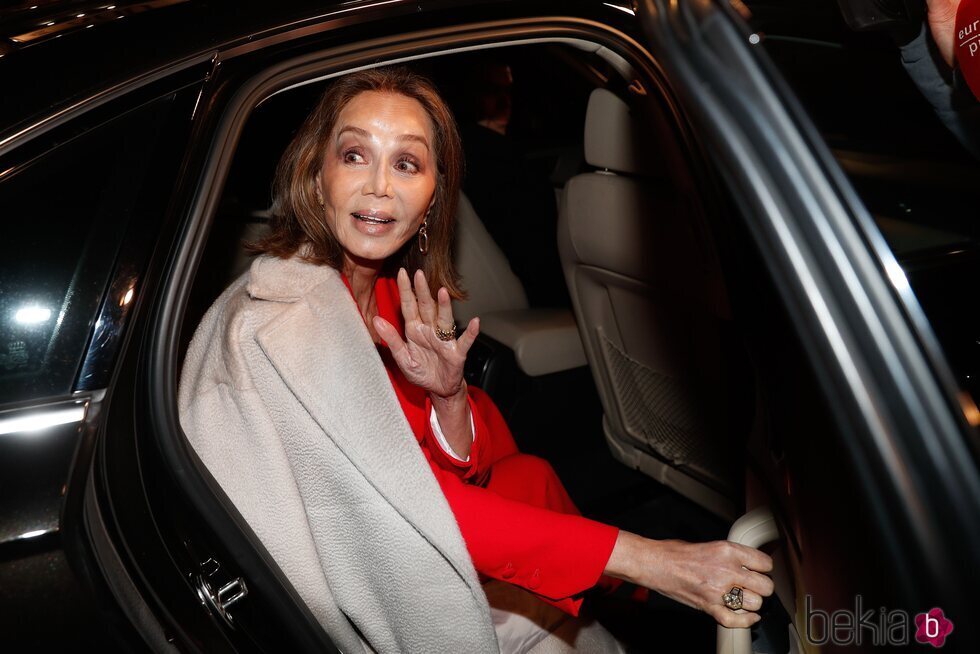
(53, 54)
(177, 25)
(57, 53)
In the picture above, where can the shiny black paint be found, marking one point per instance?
(34, 470)
(45, 602)
(37, 466)
(53, 580)
(46, 607)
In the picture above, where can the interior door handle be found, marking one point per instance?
(755, 528)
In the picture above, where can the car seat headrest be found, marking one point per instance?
(617, 141)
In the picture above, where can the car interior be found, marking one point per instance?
(662, 379)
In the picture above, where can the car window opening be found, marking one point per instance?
(662, 343)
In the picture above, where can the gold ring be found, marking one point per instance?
(733, 598)
(446, 334)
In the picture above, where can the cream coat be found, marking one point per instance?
(286, 401)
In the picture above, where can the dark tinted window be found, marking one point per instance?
(66, 206)
(917, 180)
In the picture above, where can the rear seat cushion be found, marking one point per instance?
(543, 340)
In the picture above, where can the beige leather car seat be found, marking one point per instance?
(544, 340)
(487, 276)
(651, 311)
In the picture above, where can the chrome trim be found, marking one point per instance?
(573, 42)
(308, 26)
(37, 418)
(108, 330)
(625, 8)
(34, 534)
(94, 396)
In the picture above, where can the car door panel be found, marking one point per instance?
(896, 460)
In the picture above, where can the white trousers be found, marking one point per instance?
(525, 624)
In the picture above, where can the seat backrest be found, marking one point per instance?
(650, 308)
(486, 272)
(543, 340)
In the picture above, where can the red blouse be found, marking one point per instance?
(553, 554)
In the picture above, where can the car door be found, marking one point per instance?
(882, 510)
(83, 194)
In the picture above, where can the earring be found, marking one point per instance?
(423, 237)
(319, 199)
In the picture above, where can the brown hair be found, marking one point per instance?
(296, 215)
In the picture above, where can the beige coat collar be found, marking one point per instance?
(285, 280)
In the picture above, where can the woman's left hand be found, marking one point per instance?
(425, 359)
(696, 574)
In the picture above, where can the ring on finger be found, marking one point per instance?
(446, 334)
(733, 598)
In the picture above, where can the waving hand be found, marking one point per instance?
(426, 360)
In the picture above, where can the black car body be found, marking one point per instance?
(118, 127)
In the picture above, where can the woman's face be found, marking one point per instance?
(378, 178)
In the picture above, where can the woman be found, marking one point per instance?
(281, 381)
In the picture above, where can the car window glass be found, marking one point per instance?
(916, 179)
(65, 211)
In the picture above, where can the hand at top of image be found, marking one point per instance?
(941, 16)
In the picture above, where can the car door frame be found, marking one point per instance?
(191, 519)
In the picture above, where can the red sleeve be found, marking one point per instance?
(473, 471)
(554, 555)
(492, 440)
